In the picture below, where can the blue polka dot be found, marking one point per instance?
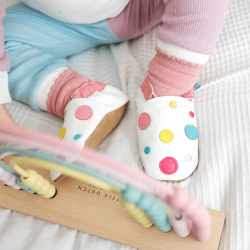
(191, 132)
(147, 150)
(78, 136)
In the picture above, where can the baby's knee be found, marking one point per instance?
(137, 18)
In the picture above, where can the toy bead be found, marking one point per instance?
(153, 207)
(37, 183)
(28, 190)
(8, 179)
(139, 215)
(180, 224)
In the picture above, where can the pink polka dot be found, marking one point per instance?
(191, 114)
(1, 183)
(144, 121)
(188, 158)
(62, 157)
(84, 112)
(168, 165)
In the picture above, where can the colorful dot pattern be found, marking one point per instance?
(188, 158)
(77, 137)
(173, 104)
(144, 121)
(62, 133)
(62, 157)
(166, 136)
(191, 132)
(147, 150)
(191, 114)
(168, 165)
(83, 112)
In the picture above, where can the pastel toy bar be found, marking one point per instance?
(138, 214)
(36, 182)
(184, 206)
(8, 177)
(154, 207)
(128, 194)
(14, 177)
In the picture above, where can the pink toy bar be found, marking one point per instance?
(184, 206)
(8, 179)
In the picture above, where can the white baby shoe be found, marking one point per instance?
(168, 137)
(89, 120)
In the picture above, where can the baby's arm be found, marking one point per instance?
(4, 68)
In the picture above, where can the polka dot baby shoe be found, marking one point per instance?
(89, 120)
(167, 136)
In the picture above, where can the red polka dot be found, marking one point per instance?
(191, 114)
(144, 121)
(168, 165)
(84, 112)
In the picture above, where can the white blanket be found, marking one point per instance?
(221, 180)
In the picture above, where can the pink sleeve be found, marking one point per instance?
(4, 58)
(193, 24)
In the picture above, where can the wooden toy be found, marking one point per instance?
(105, 198)
(36, 182)
(95, 211)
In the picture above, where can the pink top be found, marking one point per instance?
(191, 24)
(4, 58)
(194, 25)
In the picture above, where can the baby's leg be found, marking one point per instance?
(36, 44)
(189, 32)
(40, 77)
(167, 133)
(185, 40)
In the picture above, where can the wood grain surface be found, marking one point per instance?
(92, 210)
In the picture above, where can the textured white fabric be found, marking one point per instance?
(79, 11)
(182, 53)
(45, 86)
(111, 98)
(156, 117)
(4, 93)
(221, 180)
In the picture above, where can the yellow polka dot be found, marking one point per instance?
(62, 133)
(166, 136)
(173, 104)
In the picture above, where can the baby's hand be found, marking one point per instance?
(5, 117)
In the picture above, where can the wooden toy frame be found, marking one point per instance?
(92, 210)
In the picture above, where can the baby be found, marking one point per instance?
(40, 34)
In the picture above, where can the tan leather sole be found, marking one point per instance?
(182, 179)
(179, 180)
(107, 124)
